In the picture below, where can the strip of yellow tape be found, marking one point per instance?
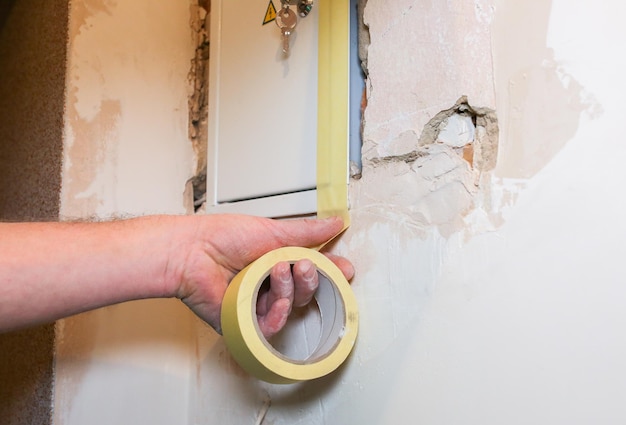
(335, 299)
(333, 109)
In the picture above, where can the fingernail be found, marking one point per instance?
(284, 272)
(351, 271)
(308, 270)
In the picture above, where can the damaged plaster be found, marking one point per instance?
(436, 183)
(471, 132)
(442, 59)
(199, 102)
(82, 185)
(126, 109)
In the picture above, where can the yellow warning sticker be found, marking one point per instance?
(270, 13)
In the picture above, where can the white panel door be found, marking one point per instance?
(263, 104)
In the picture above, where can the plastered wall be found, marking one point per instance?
(503, 308)
(483, 298)
(126, 153)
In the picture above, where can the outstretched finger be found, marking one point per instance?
(281, 286)
(306, 281)
(275, 319)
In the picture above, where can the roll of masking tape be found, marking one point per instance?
(338, 313)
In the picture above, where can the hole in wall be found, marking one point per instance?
(471, 132)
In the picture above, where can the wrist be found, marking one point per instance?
(175, 236)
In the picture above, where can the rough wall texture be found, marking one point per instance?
(199, 100)
(32, 80)
(26, 376)
(32, 48)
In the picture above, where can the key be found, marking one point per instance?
(286, 20)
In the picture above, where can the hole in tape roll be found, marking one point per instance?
(312, 331)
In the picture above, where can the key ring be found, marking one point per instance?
(304, 6)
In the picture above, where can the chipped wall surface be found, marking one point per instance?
(126, 153)
(126, 119)
(488, 295)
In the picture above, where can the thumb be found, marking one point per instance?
(307, 232)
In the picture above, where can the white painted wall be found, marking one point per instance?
(126, 153)
(486, 298)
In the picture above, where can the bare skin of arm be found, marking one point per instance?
(53, 270)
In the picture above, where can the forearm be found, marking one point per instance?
(52, 270)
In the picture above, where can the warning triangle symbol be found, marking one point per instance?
(270, 13)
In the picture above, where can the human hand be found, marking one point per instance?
(219, 246)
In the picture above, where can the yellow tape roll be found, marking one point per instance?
(338, 311)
